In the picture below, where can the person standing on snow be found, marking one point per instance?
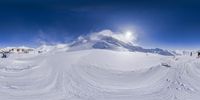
(4, 55)
(198, 54)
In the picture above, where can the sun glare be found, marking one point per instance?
(129, 36)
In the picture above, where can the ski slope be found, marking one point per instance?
(99, 75)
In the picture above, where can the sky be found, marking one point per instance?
(157, 23)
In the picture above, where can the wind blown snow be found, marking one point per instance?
(127, 37)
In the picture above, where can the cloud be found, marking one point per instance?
(41, 38)
(127, 36)
(44, 38)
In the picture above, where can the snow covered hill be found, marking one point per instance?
(99, 75)
(21, 49)
(94, 68)
(102, 40)
(105, 39)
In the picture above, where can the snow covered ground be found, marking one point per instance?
(99, 75)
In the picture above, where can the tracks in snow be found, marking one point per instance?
(55, 79)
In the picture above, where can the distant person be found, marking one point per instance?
(190, 53)
(198, 54)
(4, 55)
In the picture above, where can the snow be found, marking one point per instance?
(108, 40)
(126, 61)
(98, 74)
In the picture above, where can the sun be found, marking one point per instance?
(128, 34)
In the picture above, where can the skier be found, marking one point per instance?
(190, 53)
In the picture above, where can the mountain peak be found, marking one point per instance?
(106, 40)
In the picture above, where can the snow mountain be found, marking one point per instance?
(111, 43)
(94, 69)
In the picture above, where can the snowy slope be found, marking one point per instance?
(48, 48)
(103, 41)
(99, 75)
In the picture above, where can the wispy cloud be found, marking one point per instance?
(127, 36)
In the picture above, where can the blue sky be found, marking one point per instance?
(158, 23)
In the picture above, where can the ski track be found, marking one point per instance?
(63, 76)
